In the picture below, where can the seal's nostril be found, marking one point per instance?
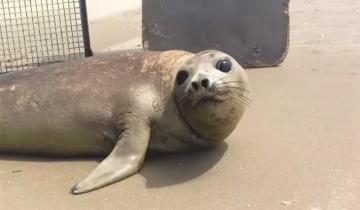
(195, 86)
(205, 83)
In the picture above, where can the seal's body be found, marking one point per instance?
(119, 105)
(80, 108)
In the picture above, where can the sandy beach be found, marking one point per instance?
(114, 25)
(296, 148)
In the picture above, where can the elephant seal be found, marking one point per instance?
(119, 105)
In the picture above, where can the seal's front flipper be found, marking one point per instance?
(125, 159)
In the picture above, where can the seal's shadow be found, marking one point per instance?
(43, 158)
(166, 169)
(160, 169)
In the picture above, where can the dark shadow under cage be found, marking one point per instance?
(38, 32)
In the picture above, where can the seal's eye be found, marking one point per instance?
(181, 77)
(224, 65)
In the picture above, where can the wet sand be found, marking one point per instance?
(296, 148)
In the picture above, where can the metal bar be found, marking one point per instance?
(85, 28)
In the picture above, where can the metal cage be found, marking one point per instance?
(38, 32)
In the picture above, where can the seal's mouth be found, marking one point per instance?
(213, 99)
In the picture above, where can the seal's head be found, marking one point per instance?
(211, 91)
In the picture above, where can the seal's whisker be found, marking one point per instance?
(235, 81)
(231, 84)
(232, 88)
(240, 101)
(222, 78)
(232, 93)
(241, 96)
(235, 87)
(238, 93)
(225, 77)
(236, 101)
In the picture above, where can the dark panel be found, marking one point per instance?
(255, 32)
